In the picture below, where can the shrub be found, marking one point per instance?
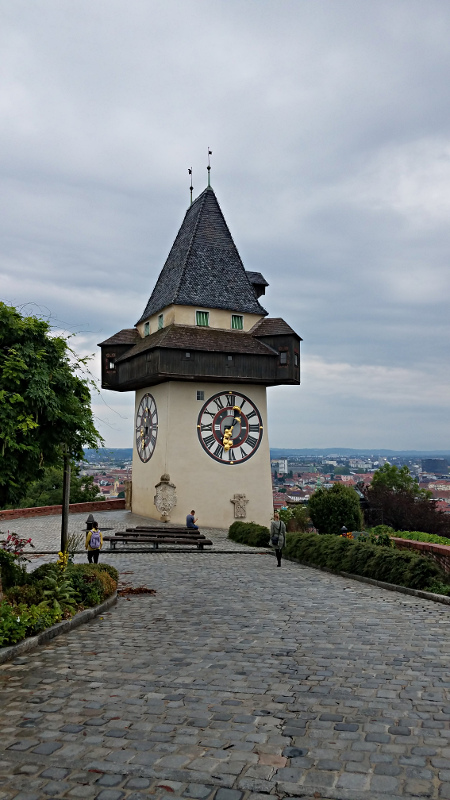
(59, 591)
(29, 594)
(330, 509)
(110, 570)
(51, 593)
(249, 533)
(19, 621)
(44, 571)
(12, 573)
(366, 559)
(419, 536)
(92, 582)
(12, 626)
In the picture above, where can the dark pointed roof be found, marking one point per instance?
(204, 267)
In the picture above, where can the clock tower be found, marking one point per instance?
(199, 359)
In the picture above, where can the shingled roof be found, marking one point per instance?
(187, 337)
(204, 267)
(256, 278)
(273, 326)
(126, 336)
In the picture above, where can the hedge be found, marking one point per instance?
(249, 533)
(362, 558)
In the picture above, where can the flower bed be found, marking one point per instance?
(37, 600)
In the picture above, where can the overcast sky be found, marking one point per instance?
(329, 122)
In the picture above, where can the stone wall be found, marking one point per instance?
(438, 552)
(74, 508)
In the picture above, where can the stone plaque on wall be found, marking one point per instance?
(165, 498)
(240, 501)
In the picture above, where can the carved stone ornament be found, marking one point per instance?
(240, 501)
(165, 498)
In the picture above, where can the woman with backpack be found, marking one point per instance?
(277, 536)
(94, 543)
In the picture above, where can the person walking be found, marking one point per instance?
(94, 543)
(191, 520)
(277, 536)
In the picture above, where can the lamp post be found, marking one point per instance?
(343, 530)
(66, 498)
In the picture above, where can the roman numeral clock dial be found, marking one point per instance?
(146, 427)
(230, 428)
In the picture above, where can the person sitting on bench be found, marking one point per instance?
(191, 520)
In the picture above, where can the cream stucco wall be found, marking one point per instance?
(185, 315)
(201, 483)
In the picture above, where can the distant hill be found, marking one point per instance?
(278, 452)
(111, 455)
(114, 455)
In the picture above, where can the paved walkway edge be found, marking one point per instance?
(156, 551)
(391, 587)
(9, 653)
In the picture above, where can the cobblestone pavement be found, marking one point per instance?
(46, 531)
(236, 680)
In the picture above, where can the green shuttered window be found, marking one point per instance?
(237, 322)
(160, 321)
(202, 318)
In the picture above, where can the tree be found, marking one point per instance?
(398, 480)
(330, 509)
(44, 403)
(296, 518)
(48, 490)
(394, 498)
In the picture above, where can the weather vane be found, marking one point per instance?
(209, 166)
(191, 189)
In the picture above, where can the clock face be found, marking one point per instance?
(229, 427)
(146, 427)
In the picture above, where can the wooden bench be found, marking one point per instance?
(160, 532)
(133, 537)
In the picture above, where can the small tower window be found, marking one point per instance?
(230, 358)
(111, 363)
(237, 322)
(200, 395)
(160, 321)
(202, 318)
(296, 359)
(146, 329)
(283, 358)
(187, 355)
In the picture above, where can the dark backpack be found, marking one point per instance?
(94, 541)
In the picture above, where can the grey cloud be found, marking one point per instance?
(330, 129)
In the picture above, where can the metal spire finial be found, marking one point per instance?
(191, 189)
(209, 166)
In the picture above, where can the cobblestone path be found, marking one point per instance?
(46, 531)
(236, 680)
